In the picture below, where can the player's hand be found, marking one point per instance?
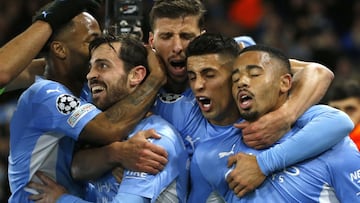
(138, 154)
(246, 176)
(156, 65)
(59, 12)
(265, 131)
(118, 173)
(49, 191)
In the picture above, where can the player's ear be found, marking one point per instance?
(151, 40)
(58, 49)
(137, 75)
(285, 83)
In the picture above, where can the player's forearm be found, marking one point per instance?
(310, 83)
(334, 125)
(27, 76)
(129, 111)
(18, 53)
(90, 164)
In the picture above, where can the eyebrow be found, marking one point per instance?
(248, 67)
(204, 70)
(235, 71)
(100, 60)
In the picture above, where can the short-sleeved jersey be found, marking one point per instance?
(332, 176)
(170, 185)
(43, 130)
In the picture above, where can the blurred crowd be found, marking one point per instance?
(325, 31)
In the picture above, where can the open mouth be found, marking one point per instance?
(204, 103)
(245, 98)
(178, 64)
(245, 101)
(97, 89)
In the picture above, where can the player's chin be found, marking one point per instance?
(180, 78)
(98, 103)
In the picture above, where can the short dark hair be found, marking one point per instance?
(54, 36)
(175, 9)
(340, 90)
(132, 51)
(273, 52)
(212, 43)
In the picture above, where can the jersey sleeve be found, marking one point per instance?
(320, 128)
(56, 109)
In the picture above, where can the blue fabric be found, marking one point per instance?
(330, 177)
(138, 187)
(44, 128)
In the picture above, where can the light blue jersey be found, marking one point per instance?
(183, 112)
(44, 128)
(170, 185)
(332, 176)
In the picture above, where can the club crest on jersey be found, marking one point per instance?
(67, 103)
(170, 97)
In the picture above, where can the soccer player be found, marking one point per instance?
(345, 95)
(52, 114)
(213, 112)
(261, 80)
(118, 66)
(175, 23)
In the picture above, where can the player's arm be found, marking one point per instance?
(311, 80)
(17, 54)
(322, 130)
(159, 185)
(27, 76)
(51, 192)
(134, 154)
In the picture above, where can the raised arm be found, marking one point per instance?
(27, 76)
(311, 80)
(17, 54)
(322, 130)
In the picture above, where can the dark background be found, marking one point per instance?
(324, 31)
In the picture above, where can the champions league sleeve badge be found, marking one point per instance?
(67, 103)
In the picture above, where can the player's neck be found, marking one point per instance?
(176, 88)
